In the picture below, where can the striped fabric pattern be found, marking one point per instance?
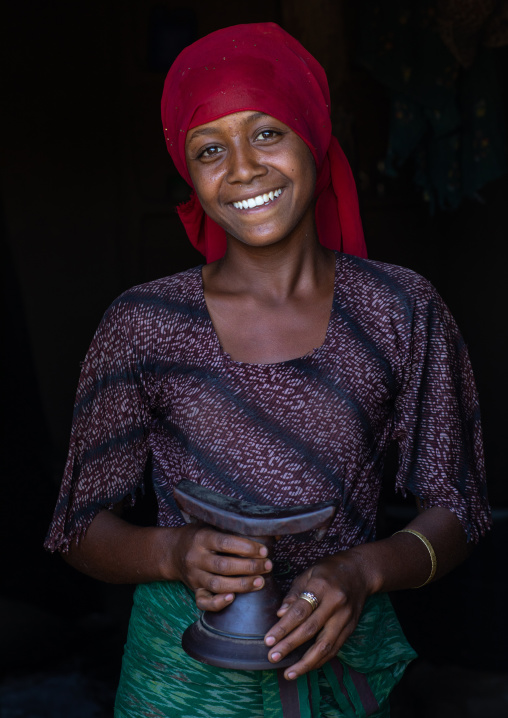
(156, 384)
(160, 679)
(393, 368)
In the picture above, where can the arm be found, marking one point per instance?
(116, 551)
(343, 582)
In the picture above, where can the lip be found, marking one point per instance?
(261, 199)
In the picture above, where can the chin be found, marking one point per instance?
(258, 242)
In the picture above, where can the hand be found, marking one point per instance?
(216, 565)
(341, 589)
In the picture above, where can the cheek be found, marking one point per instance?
(305, 165)
(305, 172)
(207, 188)
(205, 183)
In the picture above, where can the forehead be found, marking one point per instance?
(229, 124)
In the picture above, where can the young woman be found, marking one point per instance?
(278, 373)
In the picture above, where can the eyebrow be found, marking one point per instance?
(210, 129)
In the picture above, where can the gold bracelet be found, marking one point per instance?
(429, 548)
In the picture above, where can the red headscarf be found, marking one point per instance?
(260, 67)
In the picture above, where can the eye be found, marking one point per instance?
(268, 135)
(210, 152)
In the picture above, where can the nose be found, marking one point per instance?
(244, 164)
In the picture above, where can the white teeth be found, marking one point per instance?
(257, 201)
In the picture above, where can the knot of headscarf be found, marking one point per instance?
(260, 67)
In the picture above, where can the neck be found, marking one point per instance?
(273, 273)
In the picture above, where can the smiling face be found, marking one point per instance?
(254, 176)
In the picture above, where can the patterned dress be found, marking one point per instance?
(392, 368)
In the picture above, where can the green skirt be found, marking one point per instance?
(160, 680)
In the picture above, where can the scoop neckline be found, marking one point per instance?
(226, 357)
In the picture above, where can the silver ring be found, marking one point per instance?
(310, 598)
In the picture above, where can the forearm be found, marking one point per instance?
(213, 564)
(341, 583)
(403, 561)
(116, 551)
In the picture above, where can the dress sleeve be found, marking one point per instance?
(437, 419)
(108, 446)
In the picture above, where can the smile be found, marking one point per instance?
(257, 201)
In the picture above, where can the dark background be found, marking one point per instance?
(87, 210)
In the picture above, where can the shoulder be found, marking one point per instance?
(390, 277)
(392, 304)
(156, 311)
(378, 284)
(174, 290)
(166, 299)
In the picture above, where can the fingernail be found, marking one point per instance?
(258, 582)
(275, 656)
(270, 640)
(268, 565)
(263, 551)
(230, 597)
(291, 676)
(284, 607)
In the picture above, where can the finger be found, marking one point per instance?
(207, 601)
(282, 610)
(294, 592)
(296, 614)
(231, 566)
(225, 584)
(235, 545)
(325, 647)
(286, 604)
